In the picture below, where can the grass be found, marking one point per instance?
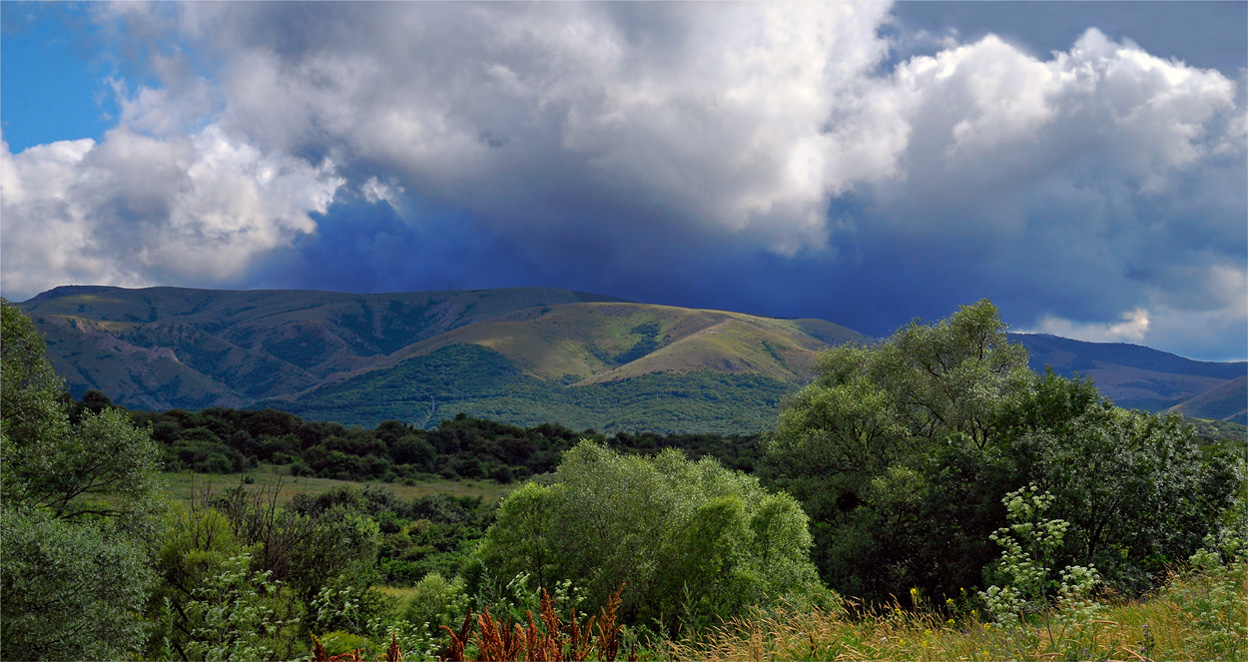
(182, 486)
(1198, 616)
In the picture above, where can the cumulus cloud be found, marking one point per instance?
(1134, 326)
(712, 115)
(772, 149)
(136, 210)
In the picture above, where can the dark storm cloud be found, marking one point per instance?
(766, 158)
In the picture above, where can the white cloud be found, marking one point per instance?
(717, 115)
(988, 121)
(135, 210)
(1098, 175)
(1133, 327)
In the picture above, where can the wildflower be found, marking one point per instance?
(949, 622)
(927, 632)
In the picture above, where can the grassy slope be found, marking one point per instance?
(524, 355)
(611, 366)
(1225, 402)
(1195, 617)
(603, 342)
(1131, 375)
(484, 383)
(167, 347)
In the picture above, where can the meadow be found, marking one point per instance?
(185, 486)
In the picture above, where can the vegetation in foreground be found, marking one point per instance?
(929, 466)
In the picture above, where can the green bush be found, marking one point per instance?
(435, 602)
(692, 541)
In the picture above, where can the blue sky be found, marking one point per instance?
(1081, 164)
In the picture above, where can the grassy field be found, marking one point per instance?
(182, 486)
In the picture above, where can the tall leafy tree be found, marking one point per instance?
(77, 508)
(901, 452)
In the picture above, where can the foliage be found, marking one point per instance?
(436, 602)
(544, 638)
(1029, 587)
(690, 540)
(218, 440)
(238, 614)
(901, 453)
(77, 507)
(1213, 593)
(70, 591)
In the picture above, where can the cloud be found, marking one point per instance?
(711, 115)
(768, 157)
(1134, 326)
(136, 210)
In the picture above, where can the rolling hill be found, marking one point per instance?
(1133, 376)
(1226, 402)
(521, 355)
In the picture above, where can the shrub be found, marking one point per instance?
(692, 541)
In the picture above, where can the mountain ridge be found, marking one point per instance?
(161, 348)
(578, 356)
(1133, 376)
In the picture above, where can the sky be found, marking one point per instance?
(1084, 165)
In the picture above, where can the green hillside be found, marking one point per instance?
(483, 383)
(171, 347)
(1225, 402)
(523, 355)
(603, 342)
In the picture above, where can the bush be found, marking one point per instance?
(691, 541)
(436, 602)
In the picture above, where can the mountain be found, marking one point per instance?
(1132, 376)
(523, 355)
(1225, 402)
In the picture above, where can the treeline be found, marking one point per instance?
(222, 441)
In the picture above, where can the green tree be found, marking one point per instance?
(691, 540)
(1137, 488)
(901, 453)
(77, 507)
(862, 448)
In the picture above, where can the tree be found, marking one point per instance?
(77, 507)
(901, 453)
(690, 540)
(1137, 488)
(859, 447)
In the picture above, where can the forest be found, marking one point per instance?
(925, 497)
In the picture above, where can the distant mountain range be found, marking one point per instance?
(524, 355)
(1139, 377)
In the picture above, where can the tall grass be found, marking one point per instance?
(1198, 616)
